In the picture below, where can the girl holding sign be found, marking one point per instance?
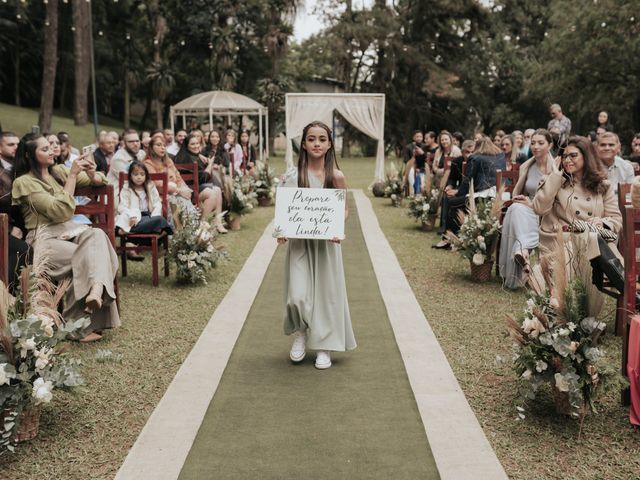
(316, 308)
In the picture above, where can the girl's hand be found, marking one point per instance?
(133, 221)
(282, 240)
(336, 240)
(185, 193)
(80, 164)
(204, 159)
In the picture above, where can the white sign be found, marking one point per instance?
(314, 213)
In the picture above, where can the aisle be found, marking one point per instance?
(238, 408)
(272, 419)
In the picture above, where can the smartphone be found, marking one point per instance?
(88, 149)
(35, 129)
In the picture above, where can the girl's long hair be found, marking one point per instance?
(594, 177)
(26, 160)
(330, 161)
(138, 164)
(184, 155)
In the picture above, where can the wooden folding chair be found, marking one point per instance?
(508, 180)
(631, 232)
(158, 243)
(4, 249)
(189, 173)
(101, 211)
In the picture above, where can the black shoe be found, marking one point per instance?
(135, 258)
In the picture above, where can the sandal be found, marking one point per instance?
(522, 259)
(91, 337)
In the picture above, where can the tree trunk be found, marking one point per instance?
(49, 64)
(82, 58)
(16, 80)
(127, 99)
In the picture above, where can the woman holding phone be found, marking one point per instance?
(44, 191)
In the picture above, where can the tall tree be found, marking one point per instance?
(82, 58)
(49, 64)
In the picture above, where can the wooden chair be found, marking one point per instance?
(508, 186)
(631, 232)
(624, 195)
(101, 211)
(189, 173)
(158, 243)
(4, 248)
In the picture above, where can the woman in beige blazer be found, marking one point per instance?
(577, 189)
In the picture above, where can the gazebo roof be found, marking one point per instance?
(218, 101)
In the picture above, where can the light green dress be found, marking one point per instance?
(315, 289)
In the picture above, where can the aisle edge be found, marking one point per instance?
(166, 439)
(459, 445)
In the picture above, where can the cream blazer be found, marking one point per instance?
(559, 203)
(524, 170)
(129, 206)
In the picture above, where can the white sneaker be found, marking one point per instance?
(323, 360)
(297, 352)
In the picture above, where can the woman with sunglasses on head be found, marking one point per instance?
(576, 196)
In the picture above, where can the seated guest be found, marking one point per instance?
(210, 196)
(234, 151)
(577, 189)
(455, 180)
(125, 156)
(67, 156)
(248, 152)
(103, 155)
(44, 192)
(511, 152)
(618, 170)
(634, 156)
(140, 206)
(481, 170)
(215, 151)
(446, 149)
(179, 194)
(175, 146)
(521, 224)
(18, 249)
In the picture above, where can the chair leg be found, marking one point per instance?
(165, 247)
(620, 316)
(154, 260)
(123, 256)
(498, 241)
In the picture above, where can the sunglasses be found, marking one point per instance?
(571, 155)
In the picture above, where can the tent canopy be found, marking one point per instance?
(222, 103)
(365, 111)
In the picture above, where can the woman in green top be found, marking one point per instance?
(45, 194)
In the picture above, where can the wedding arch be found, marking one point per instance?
(223, 104)
(365, 111)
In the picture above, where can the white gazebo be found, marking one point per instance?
(365, 111)
(223, 104)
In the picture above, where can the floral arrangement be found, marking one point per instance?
(421, 208)
(266, 181)
(33, 361)
(479, 229)
(393, 183)
(556, 342)
(193, 248)
(244, 198)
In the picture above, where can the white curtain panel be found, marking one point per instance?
(365, 112)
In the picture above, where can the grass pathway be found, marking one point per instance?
(272, 419)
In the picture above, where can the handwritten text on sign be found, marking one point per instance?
(316, 213)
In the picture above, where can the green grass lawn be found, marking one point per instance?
(19, 120)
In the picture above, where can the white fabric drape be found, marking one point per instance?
(363, 111)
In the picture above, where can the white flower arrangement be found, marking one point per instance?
(423, 207)
(243, 198)
(479, 230)
(32, 358)
(266, 181)
(193, 248)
